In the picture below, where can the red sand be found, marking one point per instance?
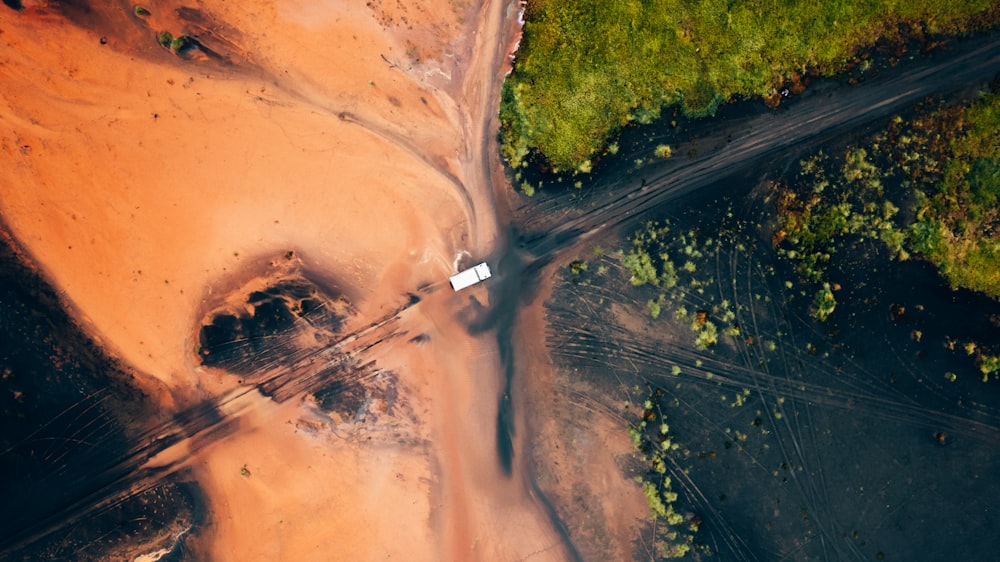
(145, 184)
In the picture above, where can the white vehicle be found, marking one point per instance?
(470, 276)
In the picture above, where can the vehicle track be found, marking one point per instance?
(119, 479)
(745, 142)
(620, 202)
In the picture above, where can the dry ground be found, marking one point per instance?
(146, 183)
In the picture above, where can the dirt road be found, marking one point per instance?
(158, 182)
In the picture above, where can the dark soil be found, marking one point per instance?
(850, 443)
(69, 414)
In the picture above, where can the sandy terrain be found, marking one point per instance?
(149, 184)
(576, 447)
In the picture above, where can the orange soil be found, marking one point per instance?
(146, 183)
(575, 439)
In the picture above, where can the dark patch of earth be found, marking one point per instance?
(68, 414)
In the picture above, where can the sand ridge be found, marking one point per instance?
(144, 182)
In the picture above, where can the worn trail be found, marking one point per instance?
(815, 118)
(205, 423)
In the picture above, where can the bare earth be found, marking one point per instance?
(149, 184)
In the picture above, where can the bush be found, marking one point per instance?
(823, 303)
(708, 336)
(181, 43)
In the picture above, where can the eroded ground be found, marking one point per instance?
(164, 182)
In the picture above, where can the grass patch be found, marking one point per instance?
(650, 262)
(585, 68)
(823, 303)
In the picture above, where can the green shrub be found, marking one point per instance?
(708, 336)
(823, 303)
(181, 43)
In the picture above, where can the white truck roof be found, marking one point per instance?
(470, 276)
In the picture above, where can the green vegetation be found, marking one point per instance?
(651, 438)
(958, 181)
(831, 203)
(140, 11)
(823, 303)
(707, 337)
(585, 68)
(181, 43)
(989, 365)
(663, 151)
(178, 44)
(928, 188)
(650, 262)
(945, 166)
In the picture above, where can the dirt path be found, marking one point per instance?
(725, 147)
(150, 184)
